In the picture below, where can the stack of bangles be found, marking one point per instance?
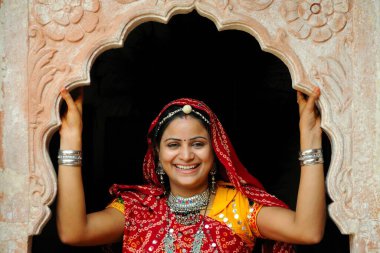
(70, 157)
(311, 157)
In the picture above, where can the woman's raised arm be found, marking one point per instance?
(306, 224)
(75, 227)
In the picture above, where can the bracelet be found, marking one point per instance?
(70, 157)
(311, 157)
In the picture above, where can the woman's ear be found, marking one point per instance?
(157, 150)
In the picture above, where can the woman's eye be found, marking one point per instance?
(198, 144)
(173, 145)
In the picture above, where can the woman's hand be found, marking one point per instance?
(310, 120)
(71, 128)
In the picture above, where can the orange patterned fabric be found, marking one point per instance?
(252, 219)
(118, 204)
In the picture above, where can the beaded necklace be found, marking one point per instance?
(187, 210)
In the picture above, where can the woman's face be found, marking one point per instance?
(186, 155)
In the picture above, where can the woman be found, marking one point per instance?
(183, 208)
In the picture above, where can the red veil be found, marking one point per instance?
(237, 174)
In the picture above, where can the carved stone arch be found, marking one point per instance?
(316, 45)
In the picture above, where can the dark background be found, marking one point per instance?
(250, 91)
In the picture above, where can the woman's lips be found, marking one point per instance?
(186, 169)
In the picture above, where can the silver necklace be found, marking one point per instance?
(187, 210)
(179, 205)
(170, 238)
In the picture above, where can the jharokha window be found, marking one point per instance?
(188, 57)
(243, 58)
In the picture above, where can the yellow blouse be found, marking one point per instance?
(235, 210)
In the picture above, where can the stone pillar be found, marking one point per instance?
(14, 127)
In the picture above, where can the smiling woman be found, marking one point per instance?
(190, 211)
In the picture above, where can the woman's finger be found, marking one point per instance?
(79, 100)
(68, 99)
(312, 98)
(300, 98)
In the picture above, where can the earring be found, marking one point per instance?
(160, 172)
(213, 182)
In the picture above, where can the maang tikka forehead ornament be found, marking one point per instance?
(186, 109)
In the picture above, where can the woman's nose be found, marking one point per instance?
(186, 153)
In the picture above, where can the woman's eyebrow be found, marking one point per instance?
(172, 139)
(178, 139)
(196, 137)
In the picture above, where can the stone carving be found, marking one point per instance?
(250, 5)
(255, 5)
(37, 186)
(38, 214)
(125, 1)
(333, 74)
(68, 20)
(41, 71)
(39, 58)
(56, 24)
(317, 19)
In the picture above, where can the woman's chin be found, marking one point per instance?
(188, 184)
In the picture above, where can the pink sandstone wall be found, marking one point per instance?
(14, 164)
(330, 43)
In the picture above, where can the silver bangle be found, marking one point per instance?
(70, 157)
(311, 157)
(69, 152)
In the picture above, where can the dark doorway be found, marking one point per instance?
(188, 57)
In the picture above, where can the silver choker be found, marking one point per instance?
(187, 210)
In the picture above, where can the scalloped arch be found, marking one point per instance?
(55, 62)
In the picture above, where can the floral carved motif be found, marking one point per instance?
(317, 19)
(67, 19)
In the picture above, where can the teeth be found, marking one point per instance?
(182, 167)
